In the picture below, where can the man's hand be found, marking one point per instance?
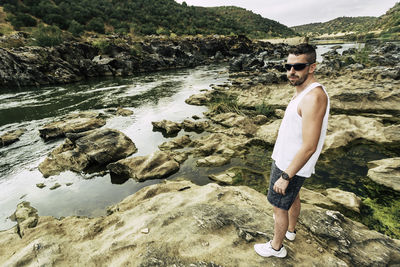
(280, 186)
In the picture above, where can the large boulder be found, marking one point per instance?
(11, 137)
(386, 172)
(154, 166)
(182, 224)
(342, 129)
(72, 123)
(83, 150)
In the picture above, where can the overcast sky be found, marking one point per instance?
(298, 12)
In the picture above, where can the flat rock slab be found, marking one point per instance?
(91, 148)
(154, 166)
(73, 123)
(191, 225)
(11, 137)
(347, 199)
(386, 172)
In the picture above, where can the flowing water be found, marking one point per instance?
(152, 97)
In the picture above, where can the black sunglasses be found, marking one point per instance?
(297, 66)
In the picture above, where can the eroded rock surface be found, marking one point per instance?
(347, 199)
(83, 150)
(11, 137)
(154, 166)
(386, 172)
(164, 224)
(167, 127)
(72, 123)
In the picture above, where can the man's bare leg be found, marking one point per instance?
(294, 213)
(281, 226)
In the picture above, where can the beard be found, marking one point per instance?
(299, 81)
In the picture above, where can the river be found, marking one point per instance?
(152, 97)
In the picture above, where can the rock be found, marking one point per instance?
(335, 47)
(269, 132)
(11, 137)
(154, 166)
(386, 172)
(177, 143)
(220, 144)
(195, 126)
(124, 112)
(223, 178)
(193, 225)
(351, 241)
(26, 217)
(212, 161)
(167, 127)
(348, 199)
(343, 129)
(41, 185)
(73, 123)
(246, 125)
(198, 99)
(55, 186)
(260, 119)
(83, 150)
(145, 231)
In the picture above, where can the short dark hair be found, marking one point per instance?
(304, 49)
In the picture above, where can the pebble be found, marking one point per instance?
(320, 250)
(308, 241)
(41, 185)
(145, 231)
(205, 244)
(55, 186)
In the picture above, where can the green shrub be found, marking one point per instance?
(47, 36)
(76, 28)
(96, 24)
(264, 109)
(22, 20)
(136, 49)
(103, 45)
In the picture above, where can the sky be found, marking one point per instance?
(298, 12)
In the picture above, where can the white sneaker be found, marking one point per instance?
(266, 250)
(290, 235)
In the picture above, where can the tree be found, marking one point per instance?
(96, 24)
(76, 28)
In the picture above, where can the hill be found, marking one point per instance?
(389, 23)
(253, 23)
(338, 25)
(140, 17)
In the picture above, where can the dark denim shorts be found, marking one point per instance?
(283, 201)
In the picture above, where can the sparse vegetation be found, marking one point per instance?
(47, 36)
(223, 103)
(264, 109)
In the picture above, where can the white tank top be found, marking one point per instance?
(290, 136)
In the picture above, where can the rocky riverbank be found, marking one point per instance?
(116, 56)
(182, 224)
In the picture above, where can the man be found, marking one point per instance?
(297, 148)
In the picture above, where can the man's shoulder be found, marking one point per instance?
(316, 94)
